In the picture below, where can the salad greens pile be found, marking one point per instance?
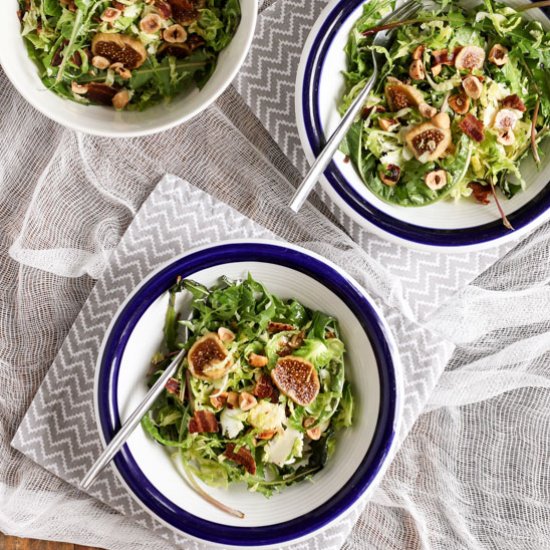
(462, 98)
(129, 54)
(239, 408)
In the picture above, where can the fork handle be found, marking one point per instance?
(322, 161)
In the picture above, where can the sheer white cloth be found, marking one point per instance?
(474, 470)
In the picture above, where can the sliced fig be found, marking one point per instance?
(470, 58)
(186, 12)
(119, 48)
(181, 50)
(208, 359)
(400, 96)
(297, 379)
(428, 142)
(101, 93)
(472, 127)
(459, 103)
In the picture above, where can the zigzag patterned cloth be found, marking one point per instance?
(59, 430)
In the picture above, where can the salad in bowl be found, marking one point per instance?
(462, 99)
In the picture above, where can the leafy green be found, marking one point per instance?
(251, 313)
(59, 42)
(445, 27)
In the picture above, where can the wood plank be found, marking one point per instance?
(15, 543)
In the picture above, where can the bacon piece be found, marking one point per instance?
(164, 9)
(514, 102)
(243, 457)
(186, 12)
(203, 422)
(264, 389)
(274, 327)
(472, 127)
(480, 192)
(173, 386)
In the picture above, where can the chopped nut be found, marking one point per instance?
(459, 103)
(119, 69)
(418, 51)
(436, 180)
(505, 119)
(266, 434)
(312, 433)
(232, 399)
(390, 174)
(80, 89)
(507, 137)
(416, 70)
(498, 55)
(257, 361)
(121, 99)
(218, 400)
(470, 58)
(175, 34)
(246, 401)
(274, 327)
(226, 335)
(110, 15)
(436, 70)
(426, 110)
(472, 86)
(151, 23)
(100, 62)
(386, 123)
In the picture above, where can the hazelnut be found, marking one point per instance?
(459, 103)
(232, 399)
(390, 174)
(175, 34)
(470, 58)
(507, 137)
(121, 99)
(505, 119)
(386, 123)
(436, 69)
(226, 335)
(436, 179)
(100, 62)
(472, 86)
(80, 89)
(256, 360)
(498, 55)
(416, 70)
(418, 51)
(246, 401)
(151, 23)
(121, 71)
(427, 111)
(110, 15)
(312, 433)
(218, 400)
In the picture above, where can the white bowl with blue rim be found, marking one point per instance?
(106, 121)
(444, 226)
(362, 452)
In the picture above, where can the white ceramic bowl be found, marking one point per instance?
(446, 225)
(104, 121)
(362, 452)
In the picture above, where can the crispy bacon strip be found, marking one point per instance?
(202, 422)
(274, 327)
(480, 192)
(243, 457)
(514, 102)
(472, 127)
(265, 389)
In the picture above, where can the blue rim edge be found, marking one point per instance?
(537, 206)
(107, 385)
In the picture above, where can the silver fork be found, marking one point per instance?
(381, 38)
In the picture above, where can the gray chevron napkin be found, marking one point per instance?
(59, 430)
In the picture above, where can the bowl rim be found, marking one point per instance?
(308, 117)
(383, 445)
(74, 124)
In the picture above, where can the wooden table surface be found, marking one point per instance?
(14, 543)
